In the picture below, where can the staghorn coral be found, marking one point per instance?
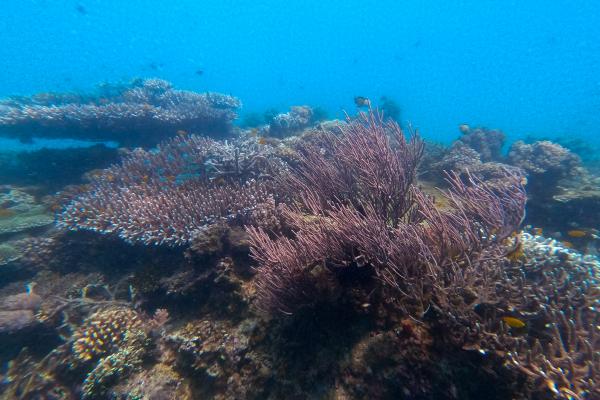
(359, 210)
(551, 294)
(142, 113)
(557, 291)
(172, 195)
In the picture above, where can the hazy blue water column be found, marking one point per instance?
(523, 66)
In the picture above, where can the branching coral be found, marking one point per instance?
(139, 114)
(556, 291)
(358, 207)
(168, 196)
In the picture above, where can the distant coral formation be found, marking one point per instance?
(545, 163)
(140, 114)
(286, 124)
(487, 142)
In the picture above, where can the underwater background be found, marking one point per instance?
(526, 67)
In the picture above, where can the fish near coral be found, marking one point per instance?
(577, 233)
(362, 101)
(513, 322)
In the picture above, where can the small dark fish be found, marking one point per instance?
(199, 72)
(362, 101)
(81, 9)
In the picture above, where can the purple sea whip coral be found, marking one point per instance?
(170, 195)
(358, 207)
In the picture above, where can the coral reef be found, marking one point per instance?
(286, 124)
(160, 382)
(545, 164)
(20, 212)
(487, 143)
(103, 332)
(462, 159)
(309, 266)
(219, 359)
(556, 290)
(140, 114)
(171, 195)
(359, 211)
(542, 318)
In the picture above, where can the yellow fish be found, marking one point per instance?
(513, 322)
(576, 233)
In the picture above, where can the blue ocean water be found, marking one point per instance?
(526, 67)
